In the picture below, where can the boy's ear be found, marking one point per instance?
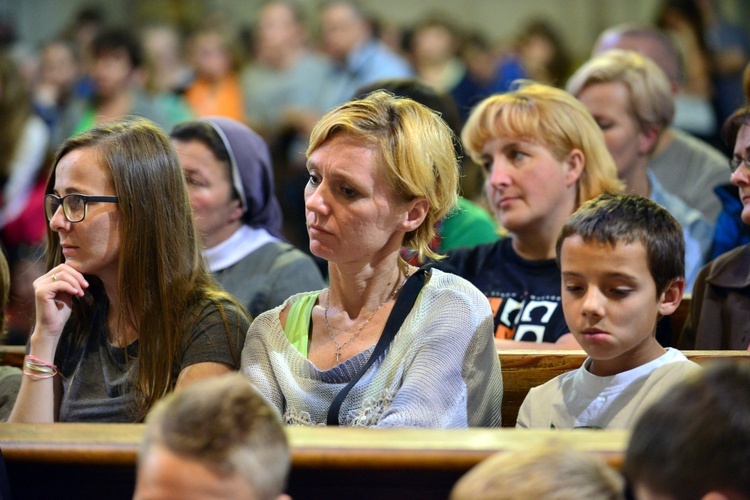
(671, 296)
(574, 165)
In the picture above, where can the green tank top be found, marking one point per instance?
(297, 327)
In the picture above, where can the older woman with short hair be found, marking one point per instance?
(386, 344)
(231, 186)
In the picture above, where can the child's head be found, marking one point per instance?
(548, 471)
(216, 438)
(622, 263)
(625, 218)
(696, 440)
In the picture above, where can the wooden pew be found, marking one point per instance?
(524, 369)
(98, 460)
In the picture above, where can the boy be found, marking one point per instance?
(215, 439)
(622, 263)
(695, 442)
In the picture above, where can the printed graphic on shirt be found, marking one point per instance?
(524, 317)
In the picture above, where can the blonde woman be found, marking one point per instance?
(382, 173)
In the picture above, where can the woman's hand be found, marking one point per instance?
(54, 294)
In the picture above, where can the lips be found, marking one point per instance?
(595, 335)
(313, 228)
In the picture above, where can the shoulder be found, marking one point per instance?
(728, 268)
(684, 144)
(672, 373)
(221, 309)
(463, 260)
(286, 254)
(446, 285)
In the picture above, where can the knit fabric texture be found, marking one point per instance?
(440, 371)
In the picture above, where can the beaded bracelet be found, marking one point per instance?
(38, 369)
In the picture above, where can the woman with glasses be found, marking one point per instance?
(720, 308)
(544, 156)
(386, 344)
(127, 311)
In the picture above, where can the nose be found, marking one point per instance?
(59, 221)
(499, 175)
(315, 199)
(593, 303)
(741, 176)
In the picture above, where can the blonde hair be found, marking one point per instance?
(547, 472)
(550, 117)
(416, 149)
(651, 101)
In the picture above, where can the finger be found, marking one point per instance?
(77, 275)
(72, 280)
(66, 272)
(52, 283)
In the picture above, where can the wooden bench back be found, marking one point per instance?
(522, 370)
(98, 460)
(525, 369)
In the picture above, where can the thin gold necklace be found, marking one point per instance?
(339, 347)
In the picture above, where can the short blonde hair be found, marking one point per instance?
(549, 472)
(651, 101)
(416, 148)
(553, 118)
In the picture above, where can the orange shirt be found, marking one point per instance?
(223, 98)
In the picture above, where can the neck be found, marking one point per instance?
(365, 288)
(537, 241)
(537, 246)
(665, 139)
(648, 351)
(222, 235)
(636, 180)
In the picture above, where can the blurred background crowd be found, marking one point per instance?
(278, 66)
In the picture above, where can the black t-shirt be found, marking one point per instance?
(96, 375)
(524, 294)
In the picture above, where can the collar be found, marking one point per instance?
(242, 243)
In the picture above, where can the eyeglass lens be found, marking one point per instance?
(73, 207)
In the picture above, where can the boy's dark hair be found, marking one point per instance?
(614, 218)
(118, 41)
(697, 438)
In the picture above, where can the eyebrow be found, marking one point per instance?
(571, 274)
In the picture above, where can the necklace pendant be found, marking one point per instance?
(338, 354)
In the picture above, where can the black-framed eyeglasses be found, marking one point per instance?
(736, 162)
(74, 205)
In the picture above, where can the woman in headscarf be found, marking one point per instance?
(230, 182)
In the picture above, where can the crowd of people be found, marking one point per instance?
(357, 227)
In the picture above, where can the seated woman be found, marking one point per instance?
(382, 172)
(544, 155)
(720, 308)
(231, 187)
(127, 310)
